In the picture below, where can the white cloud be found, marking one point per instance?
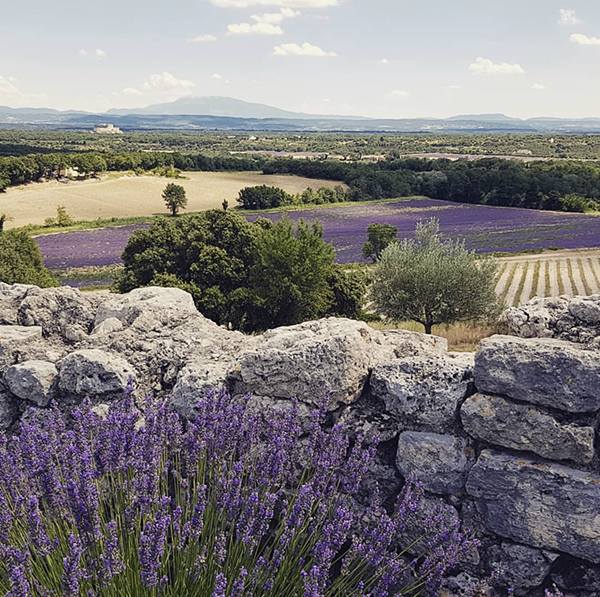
(132, 91)
(305, 49)
(203, 38)
(400, 93)
(275, 18)
(452, 87)
(568, 17)
(98, 53)
(166, 81)
(538, 87)
(256, 29)
(584, 40)
(484, 66)
(282, 3)
(384, 61)
(8, 86)
(217, 77)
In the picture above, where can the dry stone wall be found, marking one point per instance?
(504, 440)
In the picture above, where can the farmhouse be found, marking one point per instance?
(107, 129)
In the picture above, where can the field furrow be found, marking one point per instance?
(541, 284)
(528, 283)
(576, 277)
(587, 264)
(552, 277)
(515, 284)
(503, 277)
(565, 278)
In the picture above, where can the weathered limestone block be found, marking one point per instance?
(424, 392)
(108, 326)
(61, 311)
(12, 339)
(194, 382)
(33, 381)
(547, 372)
(164, 304)
(541, 504)
(521, 567)
(586, 309)
(93, 373)
(440, 462)
(11, 296)
(505, 423)
(308, 360)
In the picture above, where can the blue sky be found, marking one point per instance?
(383, 58)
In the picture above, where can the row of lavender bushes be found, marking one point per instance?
(137, 501)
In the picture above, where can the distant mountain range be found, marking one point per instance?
(229, 114)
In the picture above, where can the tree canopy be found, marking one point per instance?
(379, 236)
(433, 281)
(175, 198)
(252, 276)
(21, 261)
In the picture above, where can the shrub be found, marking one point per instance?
(263, 197)
(139, 503)
(21, 261)
(62, 219)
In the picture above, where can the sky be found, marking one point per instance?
(378, 58)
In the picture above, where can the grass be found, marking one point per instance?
(520, 288)
(588, 288)
(547, 281)
(462, 337)
(559, 279)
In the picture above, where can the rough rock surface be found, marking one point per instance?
(93, 373)
(58, 311)
(194, 381)
(505, 423)
(33, 381)
(541, 504)
(424, 392)
(521, 567)
(8, 410)
(439, 462)
(13, 338)
(547, 372)
(574, 319)
(308, 360)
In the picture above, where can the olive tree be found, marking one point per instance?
(433, 281)
(174, 196)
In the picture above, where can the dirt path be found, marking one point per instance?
(576, 276)
(503, 279)
(541, 285)
(563, 269)
(511, 295)
(553, 273)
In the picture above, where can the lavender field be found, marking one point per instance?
(484, 229)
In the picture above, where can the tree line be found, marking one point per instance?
(561, 186)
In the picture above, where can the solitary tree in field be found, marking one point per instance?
(432, 281)
(174, 196)
(379, 237)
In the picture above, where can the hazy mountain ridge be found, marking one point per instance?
(229, 114)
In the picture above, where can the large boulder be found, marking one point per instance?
(13, 340)
(309, 360)
(93, 373)
(424, 392)
(537, 503)
(547, 372)
(32, 381)
(11, 297)
(500, 421)
(440, 462)
(164, 304)
(63, 312)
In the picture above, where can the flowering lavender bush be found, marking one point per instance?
(137, 501)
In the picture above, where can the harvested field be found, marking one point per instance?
(524, 277)
(126, 196)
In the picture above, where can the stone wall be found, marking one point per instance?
(503, 439)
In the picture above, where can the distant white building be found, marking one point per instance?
(108, 129)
